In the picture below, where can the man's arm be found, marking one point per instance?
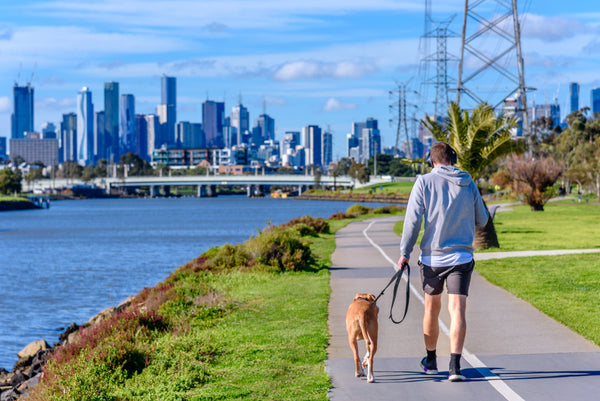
(481, 213)
(412, 222)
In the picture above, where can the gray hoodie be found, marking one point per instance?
(450, 204)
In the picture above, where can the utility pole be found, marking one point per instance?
(489, 77)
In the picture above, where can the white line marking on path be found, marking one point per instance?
(494, 380)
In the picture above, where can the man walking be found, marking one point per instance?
(449, 202)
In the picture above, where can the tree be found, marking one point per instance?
(359, 171)
(533, 178)
(10, 181)
(478, 139)
(136, 166)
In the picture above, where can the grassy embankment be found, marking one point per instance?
(15, 203)
(245, 321)
(386, 192)
(566, 288)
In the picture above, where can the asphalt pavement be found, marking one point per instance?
(512, 351)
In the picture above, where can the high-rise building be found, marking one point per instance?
(573, 97)
(595, 101)
(169, 103)
(35, 150)
(240, 121)
(213, 118)
(327, 149)
(111, 120)
(85, 127)
(22, 117)
(141, 137)
(198, 140)
(68, 138)
(127, 124)
(314, 145)
(154, 137)
(546, 110)
(48, 130)
(266, 129)
(3, 153)
(291, 139)
(100, 149)
(183, 131)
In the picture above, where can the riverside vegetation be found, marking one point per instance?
(244, 321)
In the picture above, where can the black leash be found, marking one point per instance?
(397, 277)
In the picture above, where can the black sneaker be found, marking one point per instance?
(430, 368)
(454, 375)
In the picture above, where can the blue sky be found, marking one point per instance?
(319, 62)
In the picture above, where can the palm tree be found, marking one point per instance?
(478, 139)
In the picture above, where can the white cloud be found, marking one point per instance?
(337, 105)
(553, 29)
(318, 70)
(5, 104)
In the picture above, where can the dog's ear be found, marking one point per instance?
(371, 297)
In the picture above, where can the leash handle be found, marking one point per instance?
(406, 267)
(397, 277)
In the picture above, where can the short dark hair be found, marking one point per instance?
(442, 153)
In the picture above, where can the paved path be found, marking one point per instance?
(512, 351)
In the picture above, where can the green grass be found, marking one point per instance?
(562, 225)
(400, 188)
(566, 288)
(212, 332)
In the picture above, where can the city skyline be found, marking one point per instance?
(311, 64)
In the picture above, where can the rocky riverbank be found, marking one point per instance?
(28, 370)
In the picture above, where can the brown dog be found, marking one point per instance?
(361, 324)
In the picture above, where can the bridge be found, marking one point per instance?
(206, 184)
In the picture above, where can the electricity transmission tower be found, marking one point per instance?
(490, 50)
(399, 107)
(439, 32)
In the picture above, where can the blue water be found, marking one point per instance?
(65, 264)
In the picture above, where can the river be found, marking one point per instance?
(65, 264)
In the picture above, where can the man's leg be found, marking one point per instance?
(457, 306)
(431, 326)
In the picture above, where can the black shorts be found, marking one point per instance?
(457, 278)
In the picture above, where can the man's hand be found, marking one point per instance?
(402, 261)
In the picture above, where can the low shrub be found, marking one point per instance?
(317, 224)
(357, 209)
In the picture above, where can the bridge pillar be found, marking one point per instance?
(211, 190)
(300, 190)
(154, 191)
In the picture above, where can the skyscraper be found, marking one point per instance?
(22, 117)
(141, 137)
(99, 136)
(169, 102)
(85, 127)
(266, 131)
(240, 121)
(314, 143)
(68, 138)
(595, 101)
(127, 124)
(153, 130)
(327, 149)
(111, 121)
(213, 117)
(574, 96)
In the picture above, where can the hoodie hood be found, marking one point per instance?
(453, 175)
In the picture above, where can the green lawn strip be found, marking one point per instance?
(566, 288)
(201, 335)
(562, 225)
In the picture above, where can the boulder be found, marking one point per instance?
(32, 349)
(102, 315)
